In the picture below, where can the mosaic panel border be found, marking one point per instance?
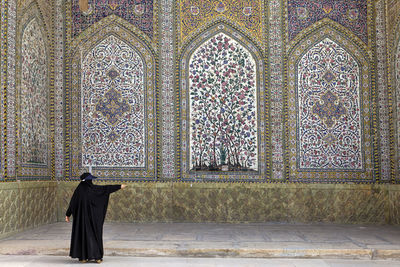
(395, 83)
(58, 91)
(384, 95)
(3, 89)
(10, 133)
(369, 175)
(32, 171)
(276, 67)
(119, 28)
(182, 106)
(167, 71)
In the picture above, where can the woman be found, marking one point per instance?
(88, 206)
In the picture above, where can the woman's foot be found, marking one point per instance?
(83, 261)
(99, 261)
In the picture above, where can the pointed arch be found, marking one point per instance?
(110, 21)
(310, 87)
(131, 87)
(33, 96)
(254, 38)
(142, 15)
(322, 26)
(221, 37)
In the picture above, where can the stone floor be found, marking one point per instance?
(118, 261)
(188, 240)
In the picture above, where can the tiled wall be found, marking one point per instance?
(248, 202)
(25, 205)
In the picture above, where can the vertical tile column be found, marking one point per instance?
(167, 90)
(276, 87)
(11, 134)
(383, 101)
(3, 62)
(58, 90)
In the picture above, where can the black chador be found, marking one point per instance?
(88, 207)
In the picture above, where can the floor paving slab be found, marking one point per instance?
(51, 261)
(268, 240)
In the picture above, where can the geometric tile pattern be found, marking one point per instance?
(329, 110)
(113, 106)
(329, 123)
(351, 14)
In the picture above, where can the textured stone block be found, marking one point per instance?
(394, 204)
(25, 205)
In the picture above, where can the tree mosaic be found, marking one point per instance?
(223, 112)
(329, 123)
(34, 96)
(113, 109)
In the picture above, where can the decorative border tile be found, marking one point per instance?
(166, 68)
(395, 84)
(3, 89)
(59, 90)
(340, 36)
(276, 56)
(386, 136)
(10, 133)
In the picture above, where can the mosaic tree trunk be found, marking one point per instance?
(34, 96)
(223, 113)
(329, 124)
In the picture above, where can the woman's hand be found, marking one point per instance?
(66, 218)
(123, 186)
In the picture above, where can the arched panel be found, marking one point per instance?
(330, 110)
(34, 117)
(111, 104)
(223, 107)
(223, 114)
(113, 101)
